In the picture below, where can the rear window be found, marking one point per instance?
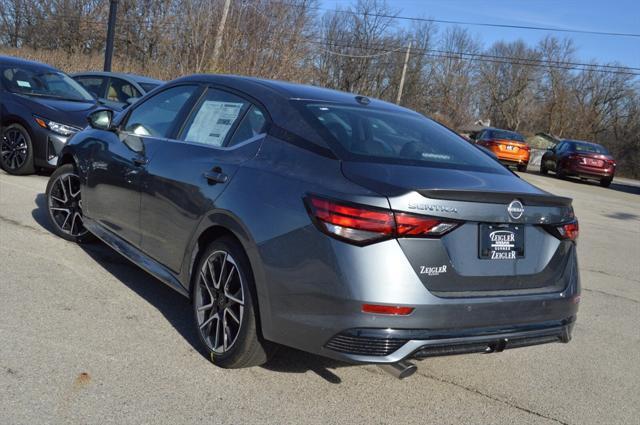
(369, 134)
(589, 148)
(505, 135)
(147, 87)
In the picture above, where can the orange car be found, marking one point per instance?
(508, 146)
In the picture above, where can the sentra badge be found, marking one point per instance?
(432, 208)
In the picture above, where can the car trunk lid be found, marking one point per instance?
(496, 212)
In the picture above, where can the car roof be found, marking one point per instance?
(132, 77)
(264, 90)
(501, 129)
(584, 142)
(11, 60)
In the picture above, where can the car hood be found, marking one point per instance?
(394, 180)
(62, 111)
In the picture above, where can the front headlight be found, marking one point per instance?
(56, 127)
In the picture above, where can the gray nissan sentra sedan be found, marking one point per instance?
(328, 222)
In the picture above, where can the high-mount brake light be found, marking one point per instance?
(361, 224)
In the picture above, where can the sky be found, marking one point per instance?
(620, 16)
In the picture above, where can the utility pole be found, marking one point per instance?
(111, 32)
(404, 73)
(218, 43)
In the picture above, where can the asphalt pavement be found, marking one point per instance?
(88, 338)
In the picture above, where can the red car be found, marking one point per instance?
(582, 159)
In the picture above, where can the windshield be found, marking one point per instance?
(589, 148)
(364, 133)
(43, 83)
(506, 135)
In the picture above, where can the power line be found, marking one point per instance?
(444, 54)
(434, 53)
(480, 24)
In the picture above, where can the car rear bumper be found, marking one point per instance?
(589, 172)
(521, 157)
(326, 303)
(393, 345)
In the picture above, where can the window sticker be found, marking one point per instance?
(213, 121)
(25, 84)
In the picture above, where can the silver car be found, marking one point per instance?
(328, 222)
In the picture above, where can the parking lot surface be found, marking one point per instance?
(88, 338)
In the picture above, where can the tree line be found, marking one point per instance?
(450, 74)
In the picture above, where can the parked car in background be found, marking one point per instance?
(329, 222)
(115, 90)
(582, 159)
(509, 146)
(40, 109)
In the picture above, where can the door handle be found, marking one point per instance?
(216, 176)
(140, 161)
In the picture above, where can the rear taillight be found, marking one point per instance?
(566, 231)
(361, 224)
(569, 230)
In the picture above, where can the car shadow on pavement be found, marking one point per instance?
(177, 309)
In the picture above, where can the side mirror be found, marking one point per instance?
(102, 119)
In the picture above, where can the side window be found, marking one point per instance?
(215, 117)
(156, 116)
(562, 147)
(120, 91)
(92, 84)
(253, 124)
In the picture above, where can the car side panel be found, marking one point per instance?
(266, 196)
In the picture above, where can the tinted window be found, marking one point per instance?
(155, 117)
(253, 124)
(120, 91)
(43, 83)
(214, 118)
(147, 87)
(589, 148)
(505, 135)
(92, 84)
(369, 134)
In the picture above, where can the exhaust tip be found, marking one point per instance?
(402, 369)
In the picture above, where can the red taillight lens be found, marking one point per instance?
(352, 223)
(414, 225)
(569, 230)
(386, 309)
(362, 224)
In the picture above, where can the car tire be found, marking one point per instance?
(522, 167)
(16, 150)
(606, 182)
(543, 170)
(561, 174)
(64, 205)
(225, 307)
